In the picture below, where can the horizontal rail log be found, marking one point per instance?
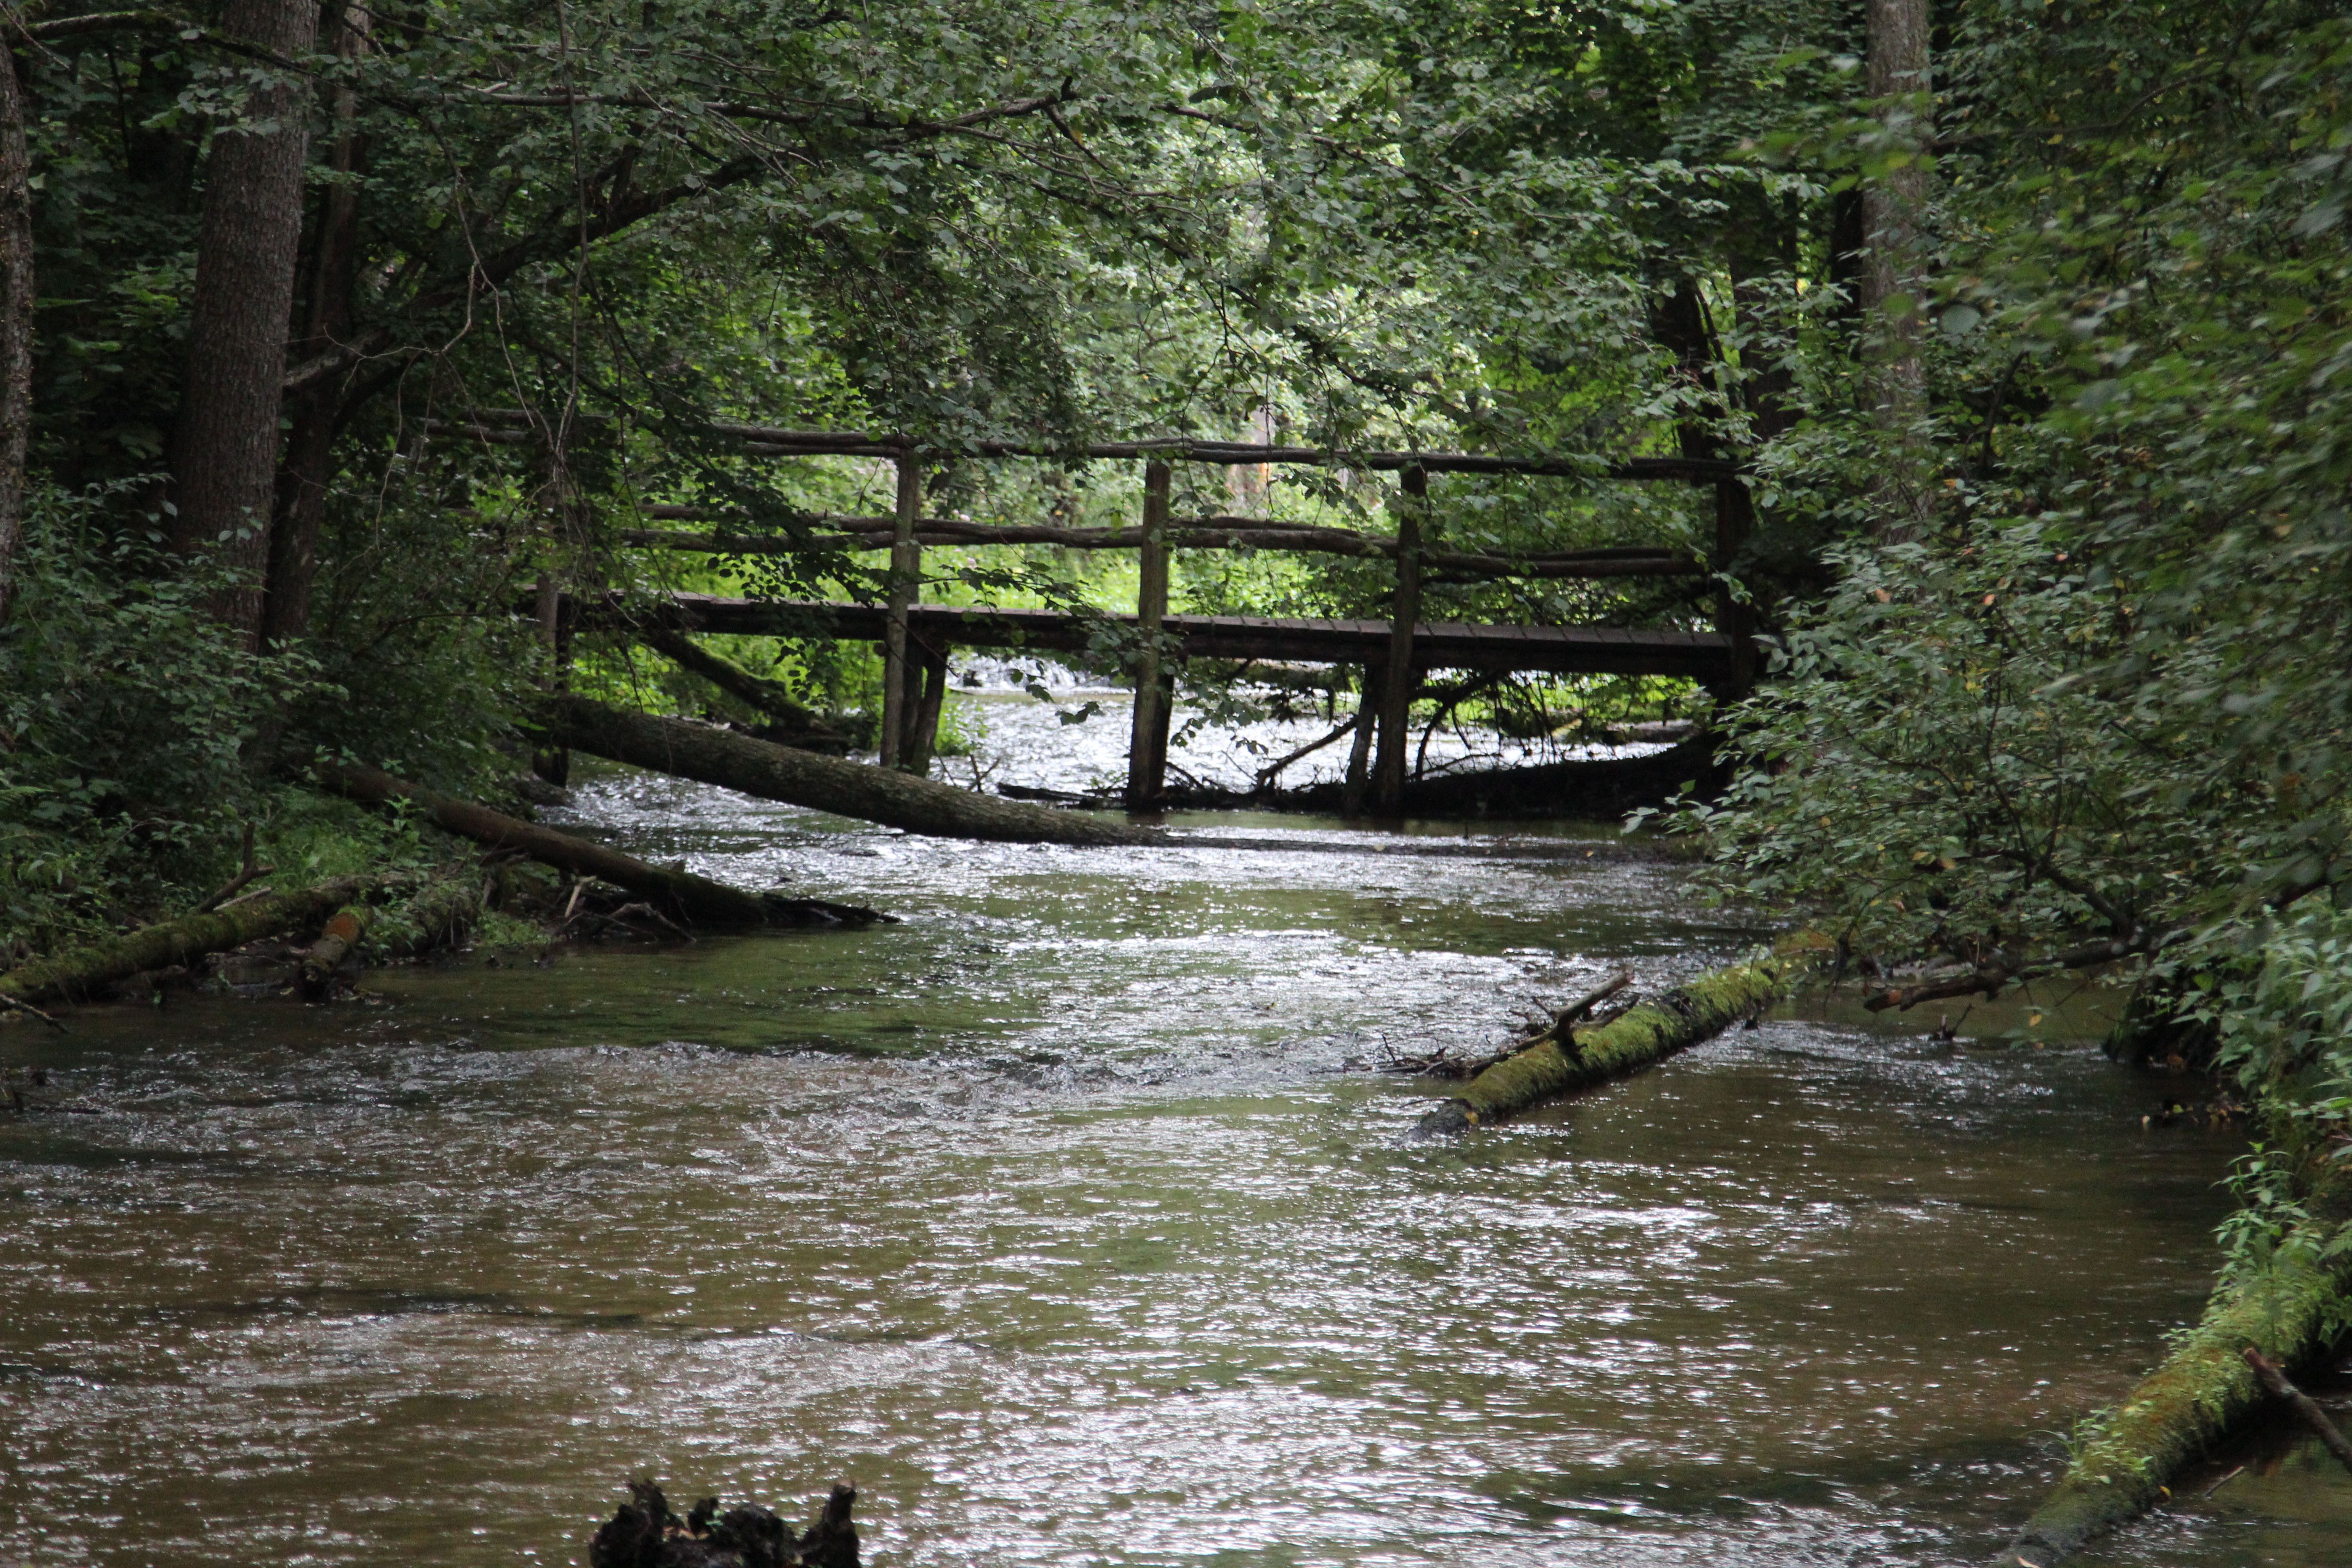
(513, 426)
(1445, 645)
(1208, 534)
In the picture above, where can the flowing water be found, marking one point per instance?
(1056, 1217)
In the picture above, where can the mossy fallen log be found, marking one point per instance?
(1565, 1061)
(2287, 1310)
(753, 767)
(695, 898)
(91, 971)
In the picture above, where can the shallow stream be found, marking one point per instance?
(1055, 1216)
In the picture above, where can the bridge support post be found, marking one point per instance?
(1735, 520)
(906, 570)
(923, 738)
(1396, 690)
(1359, 748)
(1147, 746)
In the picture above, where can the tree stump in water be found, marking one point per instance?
(643, 1533)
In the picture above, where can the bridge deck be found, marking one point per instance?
(1440, 645)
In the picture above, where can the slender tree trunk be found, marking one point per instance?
(1894, 274)
(15, 318)
(225, 450)
(316, 410)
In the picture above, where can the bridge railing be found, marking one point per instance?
(914, 670)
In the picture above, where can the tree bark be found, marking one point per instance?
(738, 763)
(693, 898)
(225, 449)
(88, 971)
(301, 496)
(16, 295)
(1641, 1038)
(1894, 278)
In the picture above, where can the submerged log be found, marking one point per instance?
(1637, 1038)
(695, 898)
(1599, 789)
(91, 971)
(2288, 1312)
(643, 1533)
(753, 767)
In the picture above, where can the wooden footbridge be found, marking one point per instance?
(1393, 653)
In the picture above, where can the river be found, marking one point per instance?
(1056, 1216)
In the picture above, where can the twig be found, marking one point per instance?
(249, 872)
(2313, 1416)
(8, 1001)
(1587, 1003)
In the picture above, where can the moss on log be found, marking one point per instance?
(692, 898)
(89, 971)
(2288, 1312)
(1644, 1034)
(753, 767)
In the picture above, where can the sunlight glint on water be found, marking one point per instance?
(1051, 1217)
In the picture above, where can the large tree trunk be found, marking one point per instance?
(1893, 280)
(735, 762)
(302, 494)
(681, 893)
(225, 449)
(15, 318)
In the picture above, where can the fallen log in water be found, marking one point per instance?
(1595, 789)
(643, 1533)
(753, 767)
(1563, 1062)
(91, 970)
(2287, 1310)
(693, 898)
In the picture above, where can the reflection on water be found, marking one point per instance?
(1049, 1216)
